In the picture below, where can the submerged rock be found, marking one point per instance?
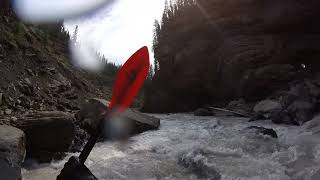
(196, 162)
(12, 152)
(264, 131)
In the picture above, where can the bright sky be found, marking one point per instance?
(120, 29)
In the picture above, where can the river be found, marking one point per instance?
(189, 147)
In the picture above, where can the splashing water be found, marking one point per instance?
(188, 147)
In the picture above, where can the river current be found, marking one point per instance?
(189, 147)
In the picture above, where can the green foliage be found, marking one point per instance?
(54, 32)
(110, 69)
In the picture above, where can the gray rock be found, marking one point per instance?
(264, 131)
(203, 112)
(47, 131)
(12, 152)
(127, 123)
(266, 106)
(301, 111)
(91, 112)
(282, 117)
(140, 122)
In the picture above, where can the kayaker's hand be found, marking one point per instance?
(74, 170)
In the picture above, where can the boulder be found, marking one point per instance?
(12, 152)
(91, 112)
(282, 117)
(264, 131)
(203, 112)
(129, 122)
(266, 106)
(301, 111)
(296, 113)
(47, 132)
(140, 122)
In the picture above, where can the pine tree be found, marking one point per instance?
(75, 34)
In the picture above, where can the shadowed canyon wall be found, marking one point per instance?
(216, 51)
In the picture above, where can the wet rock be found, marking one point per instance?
(12, 152)
(140, 122)
(267, 106)
(131, 121)
(301, 111)
(47, 131)
(283, 117)
(263, 131)
(203, 112)
(264, 109)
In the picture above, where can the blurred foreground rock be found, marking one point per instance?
(47, 133)
(12, 152)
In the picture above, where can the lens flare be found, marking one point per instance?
(41, 11)
(85, 57)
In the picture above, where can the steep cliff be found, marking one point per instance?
(215, 51)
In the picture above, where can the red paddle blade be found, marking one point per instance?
(130, 79)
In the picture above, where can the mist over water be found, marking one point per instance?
(189, 147)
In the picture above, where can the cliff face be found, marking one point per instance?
(221, 50)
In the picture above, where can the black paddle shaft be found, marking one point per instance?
(93, 139)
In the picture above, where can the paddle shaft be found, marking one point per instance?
(92, 141)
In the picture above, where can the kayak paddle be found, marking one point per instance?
(127, 85)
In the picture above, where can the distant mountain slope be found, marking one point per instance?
(219, 50)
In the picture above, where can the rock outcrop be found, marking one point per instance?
(12, 152)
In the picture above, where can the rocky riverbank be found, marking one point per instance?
(45, 136)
